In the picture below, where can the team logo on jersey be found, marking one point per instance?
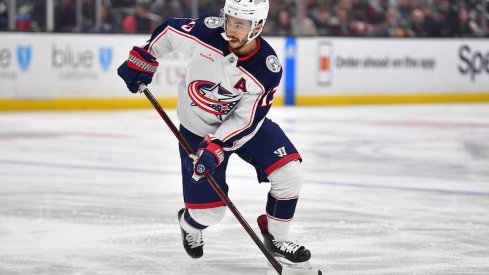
(212, 98)
(24, 54)
(273, 64)
(213, 22)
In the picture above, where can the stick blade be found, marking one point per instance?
(295, 271)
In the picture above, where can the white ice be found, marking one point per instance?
(389, 190)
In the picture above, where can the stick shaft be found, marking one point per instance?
(278, 267)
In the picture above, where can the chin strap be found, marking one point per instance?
(249, 38)
(225, 36)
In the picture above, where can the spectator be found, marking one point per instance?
(284, 25)
(436, 24)
(398, 18)
(272, 26)
(88, 15)
(122, 3)
(108, 24)
(167, 8)
(305, 27)
(3, 15)
(323, 21)
(65, 16)
(391, 27)
(139, 22)
(275, 7)
(360, 18)
(311, 7)
(417, 27)
(23, 22)
(207, 7)
(373, 13)
(345, 5)
(340, 23)
(187, 8)
(404, 11)
(38, 15)
(463, 27)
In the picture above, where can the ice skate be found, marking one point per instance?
(287, 252)
(192, 242)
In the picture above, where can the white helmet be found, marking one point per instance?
(255, 11)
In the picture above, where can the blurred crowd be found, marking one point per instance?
(369, 18)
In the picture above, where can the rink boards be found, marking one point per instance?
(73, 71)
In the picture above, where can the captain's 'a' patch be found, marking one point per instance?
(213, 22)
(273, 64)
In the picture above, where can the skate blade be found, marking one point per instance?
(291, 268)
(293, 271)
(287, 263)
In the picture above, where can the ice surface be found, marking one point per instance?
(389, 190)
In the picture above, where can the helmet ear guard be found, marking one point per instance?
(255, 11)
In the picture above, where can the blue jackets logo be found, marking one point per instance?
(24, 56)
(212, 98)
(105, 58)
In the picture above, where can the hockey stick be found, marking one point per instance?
(278, 267)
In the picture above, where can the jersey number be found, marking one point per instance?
(188, 27)
(268, 98)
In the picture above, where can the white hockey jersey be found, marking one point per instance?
(222, 94)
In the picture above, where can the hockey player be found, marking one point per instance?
(229, 87)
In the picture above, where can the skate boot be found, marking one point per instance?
(192, 242)
(294, 253)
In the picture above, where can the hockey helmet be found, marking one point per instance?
(255, 11)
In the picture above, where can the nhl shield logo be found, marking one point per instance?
(105, 58)
(24, 55)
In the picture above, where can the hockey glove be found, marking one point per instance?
(208, 157)
(138, 69)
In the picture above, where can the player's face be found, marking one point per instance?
(237, 30)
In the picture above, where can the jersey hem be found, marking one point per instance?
(204, 205)
(282, 162)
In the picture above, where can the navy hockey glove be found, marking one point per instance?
(138, 69)
(208, 157)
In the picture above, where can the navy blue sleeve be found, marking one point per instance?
(197, 28)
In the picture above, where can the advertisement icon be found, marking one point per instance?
(24, 56)
(325, 55)
(105, 58)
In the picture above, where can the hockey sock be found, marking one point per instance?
(280, 212)
(279, 229)
(189, 224)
